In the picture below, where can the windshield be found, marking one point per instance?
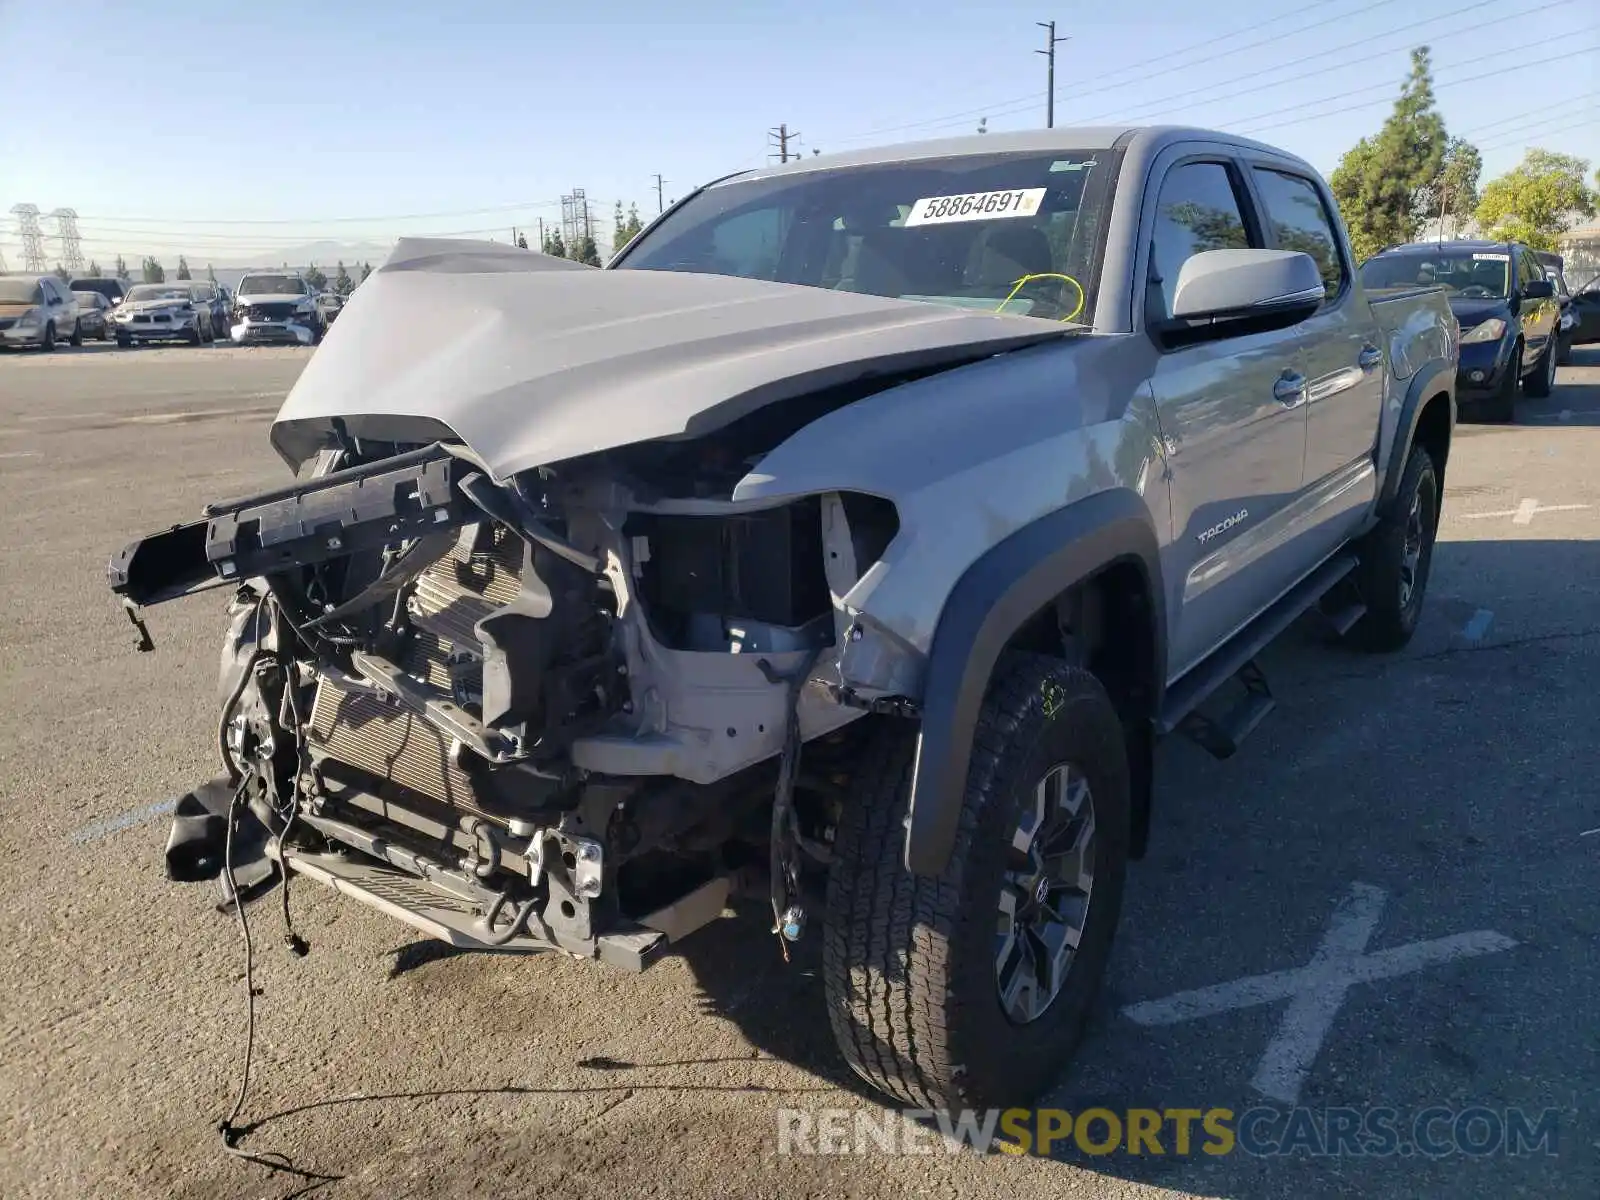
(272, 285)
(23, 290)
(159, 291)
(1469, 274)
(89, 299)
(1553, 274)
(1016, 233)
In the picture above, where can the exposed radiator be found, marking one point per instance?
(464, 586)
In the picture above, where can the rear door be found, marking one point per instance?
(1341, 352)
(1232, 415)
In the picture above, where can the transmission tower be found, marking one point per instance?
(31, 235)
(574, 218)
(66, 220)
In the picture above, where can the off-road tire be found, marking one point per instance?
(1501, 408)
(1388, 623)
(77, 334)
(1543, 380)
(909, 961)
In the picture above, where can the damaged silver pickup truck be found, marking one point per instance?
(849, 540)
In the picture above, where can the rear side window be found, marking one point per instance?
(1300, 221)
(1198, 210)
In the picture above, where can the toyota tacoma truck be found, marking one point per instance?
(847, 542)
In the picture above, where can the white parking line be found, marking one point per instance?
(1317, 990)
(1524, 512)
(1478, 626)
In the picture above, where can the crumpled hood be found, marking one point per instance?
(530, 359)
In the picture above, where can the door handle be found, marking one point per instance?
(1290, 390)
(1369, 357)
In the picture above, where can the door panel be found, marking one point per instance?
(1235, 450)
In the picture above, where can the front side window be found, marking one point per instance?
(1198, 210)
(1013, 233)
(1299, 221)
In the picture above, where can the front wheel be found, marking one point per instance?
(1502, 406)
(1395, 558)
(76, 338)
(971, 989)
(48, 342)
(1544, 373)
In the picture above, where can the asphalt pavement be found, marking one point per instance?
(1386, 900)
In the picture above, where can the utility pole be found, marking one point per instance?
(661, 205)
(541, 235)
(782, 137)
(1049, 53)
(30, 235)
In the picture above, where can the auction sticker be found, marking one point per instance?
(975, 206)
(1491, 257)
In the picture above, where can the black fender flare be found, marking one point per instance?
(992, 600)
(1437, 376)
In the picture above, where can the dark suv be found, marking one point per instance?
(1507, 310)
(112, 289)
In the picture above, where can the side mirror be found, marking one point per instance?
(1220, 293)
(1538, 289)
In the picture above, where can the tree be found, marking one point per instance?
(154, 272)
(316, 278)
(1454, 195)
(183, 268)
(63, 274)
(554, 246)
(366, 269)
(586, 251)
(627, 228)
(211, 273)
(342, 283)
(1378, 181)
(1537, 200)
(522, 241)
(94, 270)
(121, 268)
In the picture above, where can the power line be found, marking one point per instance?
(1019, 103)
(459, 212)
(1522, 138)
(1438, 86)
(1155, 108)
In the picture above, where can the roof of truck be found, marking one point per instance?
(1040, 141)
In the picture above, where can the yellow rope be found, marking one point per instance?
(1027, 279)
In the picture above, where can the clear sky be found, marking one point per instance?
(222, 129)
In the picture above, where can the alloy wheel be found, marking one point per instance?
(1045, 896)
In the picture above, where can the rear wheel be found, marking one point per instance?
(1395, 559)
(971, 989)
(1544, 374)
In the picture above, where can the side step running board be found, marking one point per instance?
(1235, 659)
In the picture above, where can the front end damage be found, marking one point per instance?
(559, 712)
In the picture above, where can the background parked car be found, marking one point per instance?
(37, 310)
(1584, 310)
(112, 289)
(212, 298)
(94, 316)
(158, 312)
(276, 306)
(329, 305)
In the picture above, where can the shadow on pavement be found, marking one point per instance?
(1451, 776)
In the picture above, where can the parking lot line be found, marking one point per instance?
(1318, 989)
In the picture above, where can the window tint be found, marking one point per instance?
(748, 245)
(1198, 210)
(1300, 221)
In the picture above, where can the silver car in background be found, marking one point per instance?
(37, 310)
(163, 312)
(276, 306)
